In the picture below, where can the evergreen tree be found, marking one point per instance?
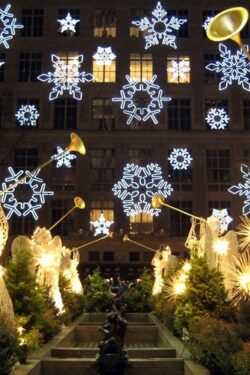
(98, 297)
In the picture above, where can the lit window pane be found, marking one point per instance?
(178, 69)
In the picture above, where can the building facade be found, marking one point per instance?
(218, 142)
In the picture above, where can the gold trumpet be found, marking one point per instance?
(76, 144)
(158, 202)
(78, 203)
(110, 235)
(227, 25)
(126, 238)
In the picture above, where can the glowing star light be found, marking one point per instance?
(223, 217)
(27, 115)
(8, 26)
(180, 158)
(160, 28)
(243, 189)
(138, 186)
(68, 23)
(217, 118)
(32, 203)
(104, 56)
(66, 77)
(179, 69)
(64, 159)
(101, 225)
(244, 231)
(232, 67)
(150, 95)
(240, 277)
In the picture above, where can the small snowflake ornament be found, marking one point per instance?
(68, 23)
(27, 115)
(243, 189)
(101, 225)
(179, 69)
(207, 22)
(180, 158)
(104, 56)
(159, 27)
(8, 26)
(141, 100)
(233, 67)
(63, 157)
(224, 219)
(217, 118)
(137, 187)
(66, 77)
(31, 203)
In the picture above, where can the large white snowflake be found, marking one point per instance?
(180, 158)
(217, 118)
(66, 77)
(138, 186)
(159, 27)
(223, 217)
(104, 56)
(142, 106)
(68, 23)
(27, 115)
(243, 189)
(63, 157)
(101, 225)
(8, 26)
(179, 69)
(37, 193)
(232, 67)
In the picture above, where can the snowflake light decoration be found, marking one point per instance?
(101, 225)
(151, 98)
(217, 118)
(180, 158)
(159, 27)
(1, 63)
(63, 157)
(104, 56)
(66, 77)
(27, 115)
(68, 23)
(232, 67)
(32, 204)
(243, 189)
(8, 26)
(179, 69)
(207, 22)
(223, 217)
(138, 186)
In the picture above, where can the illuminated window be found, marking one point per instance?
(179, 114)
(102, 173)
(104, 73)
(141, 223)
(137, 14)
(218, 170)
(104, 23)
(180, 224)
(178, 69)
(101, 207)
(103, 114)
(246, 114)
(141, 66)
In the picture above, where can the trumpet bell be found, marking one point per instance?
(157, 201)
(125, 238)
(79, 203)
(76, 144)
(227, 25)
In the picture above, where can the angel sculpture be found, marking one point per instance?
(68, 268)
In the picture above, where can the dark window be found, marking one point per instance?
(30, 65)
(246, 114)
(218, 170)
(180, 14)
(180, 224)
(140, 155)
(102, 174)
(211, 76)
(2, 67)
(22, 225)
(94, 256)
(65, 114)
(104, 23)
(108, 256)
(179, 114)
(75, 14)
(60, 207)
(103, 114)
(206, 18)
(134, 256)
(32, 20)
(26, 158)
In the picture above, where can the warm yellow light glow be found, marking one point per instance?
(221, 246)
(186, 267)
(244, 281)
(2, 271)
(239, 285)
(179, 288)
(46, 260)
(20, 334)
(244, 231)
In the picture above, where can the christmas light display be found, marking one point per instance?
(159, 27)
(104, 56)
(151, 99)
(243, 231)
(68, 23)
(223, 218)
(206, 22)
(68, 268)
(8, 26)
(64, 159)
(180, 158)
(179, 70)
(66, 77)
(239, 280)
(233, 67)
(138, 186)
(37, 194)
(217, 118)
(243, 189)
(101, 225)
(1, 63)
(177, 284)
(27, 115)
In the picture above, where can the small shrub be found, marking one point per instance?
(241, 360)
(8, 350)
(73, 303)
